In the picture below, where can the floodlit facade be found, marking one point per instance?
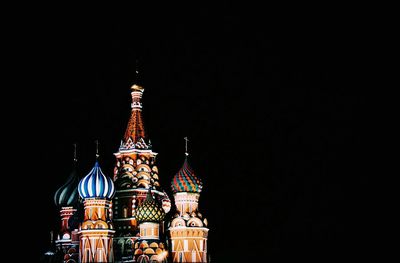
(126, 218)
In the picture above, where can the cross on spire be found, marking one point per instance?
(137, 72)
(75, 159)
(186, 146)
(97, 148)
(51, 237)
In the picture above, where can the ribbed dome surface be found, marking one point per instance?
(186, 181)
(96, 184)
(67, 195)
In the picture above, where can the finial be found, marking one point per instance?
(75, 159)
(137, 72)
(186, 146)
(97, 148)
(137, 85)
(137, 67)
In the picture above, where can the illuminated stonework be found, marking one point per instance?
(96, 231)
(149, 247)
(135, 173)
(66, 198)
(188, 229)
(124, 217)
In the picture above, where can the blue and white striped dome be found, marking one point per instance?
(96, 184)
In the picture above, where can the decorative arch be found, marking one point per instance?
(143, 175)
(101, 225)
(154, 245)
(127, 168)
(149, 251)
(87, 225)
(126, 174)
(124, 182)
(143, 183)
(143, 168)
(194, 222)
(144, 245)
(178, 222)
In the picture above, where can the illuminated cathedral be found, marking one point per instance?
(125, 218)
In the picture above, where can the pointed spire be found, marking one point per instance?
(135, 136)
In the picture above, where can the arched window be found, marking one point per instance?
(125, 212)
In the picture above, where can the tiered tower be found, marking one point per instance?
(123, 217)
(188, 230)
(135, 172)
(96, 231)
(149, 247)
(66, 198)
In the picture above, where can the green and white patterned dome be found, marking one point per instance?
(150, 210)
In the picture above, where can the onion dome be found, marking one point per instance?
(149, 210)
(186, 181)
(96, 184)
(67, 195)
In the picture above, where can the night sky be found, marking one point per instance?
(275, 127)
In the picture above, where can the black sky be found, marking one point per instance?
(275, 127)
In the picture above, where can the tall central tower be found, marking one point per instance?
(134, 174)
